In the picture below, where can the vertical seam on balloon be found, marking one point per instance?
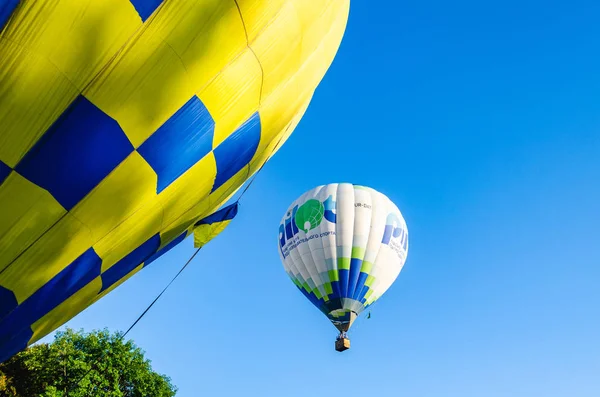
(301, 260)
(376, 283)
(334, 259)
(374, 197)
(262, 71)
(324, 292)
(320, 244)
(333, 245)
(357, 293)
(337, 236)
(314, 275)
(351, 243)
(354, 229)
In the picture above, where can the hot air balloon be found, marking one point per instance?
(126, 124)
(343, 246)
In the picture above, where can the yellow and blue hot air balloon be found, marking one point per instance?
(124, 124)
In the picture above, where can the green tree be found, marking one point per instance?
(78, 364)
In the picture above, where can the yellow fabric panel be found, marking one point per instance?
(66, 310)
(207, 35)
(276, 113)
(28, 211)
(53, 252)
(48, 52)
(129, 235)
(234, 95)
(278, 48)
(316, 22)
(272, 140)
(257, 14)
(145, 86)
(115, 285)
(204, 233)
(190, 188)
(78, 36)
(331, 30)
(130, 186)
(33, 93)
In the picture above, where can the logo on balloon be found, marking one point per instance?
(309, 215)
(393, 228)
(306, 217)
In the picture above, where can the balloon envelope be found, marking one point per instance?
(343, 246)
(125, 122)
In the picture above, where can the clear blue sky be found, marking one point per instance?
(482, 123)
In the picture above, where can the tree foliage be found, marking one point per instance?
(78, 364)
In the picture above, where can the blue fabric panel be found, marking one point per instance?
(180, 142)
(145, 7)
(224, 214)
(355, 265)
(120, 269)
(6, 9)
(79, 150)
(4, 171)
(8, 301)
(389, 232)
(15, 344)
(293, 220)
(337, 291)
(361, 297)
(361, 290)
(237, 150)
(329, 205)
(289, 233)
(291, 229)
(70, 280)
(344, 277)
(165, 249)
(281, 238)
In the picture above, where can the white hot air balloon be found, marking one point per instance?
(343, 246)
